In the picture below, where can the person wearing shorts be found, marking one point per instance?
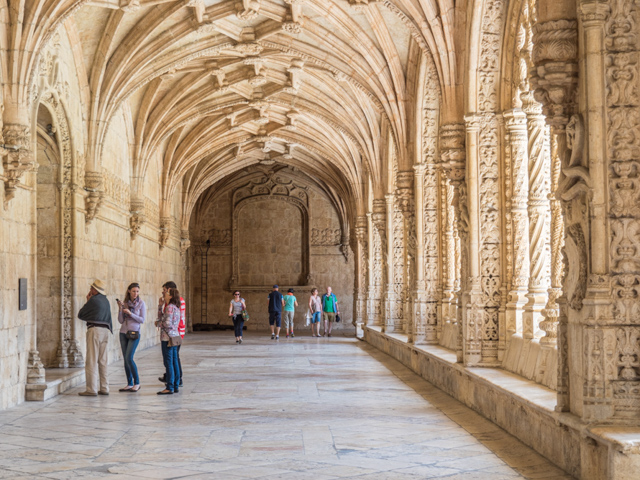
(315, 307)
(329, 310)
(276, 302)
(290, 304)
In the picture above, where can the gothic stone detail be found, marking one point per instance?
(18, 157)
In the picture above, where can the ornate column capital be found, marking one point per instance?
(165, 231)
(137, 218)
(593, 14)
(379, 215)
(185, 242)
(555, 75)
(419, 169)
(473, 122)
(361, 229)
(404, 192)
(515, 121)
(94, 185)
(18, 157)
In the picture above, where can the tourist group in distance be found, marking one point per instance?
(172, 326)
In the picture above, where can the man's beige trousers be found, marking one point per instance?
(97, 359)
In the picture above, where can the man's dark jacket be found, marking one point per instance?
(96, 311)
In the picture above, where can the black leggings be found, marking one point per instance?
(238, 323)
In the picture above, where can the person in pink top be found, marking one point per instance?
(182, 327)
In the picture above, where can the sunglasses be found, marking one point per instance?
(236, 294)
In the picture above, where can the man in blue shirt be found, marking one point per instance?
(276, 302)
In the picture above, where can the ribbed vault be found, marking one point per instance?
(216, 85)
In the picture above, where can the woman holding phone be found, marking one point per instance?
(131, 315)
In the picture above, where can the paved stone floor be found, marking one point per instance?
(296, 409)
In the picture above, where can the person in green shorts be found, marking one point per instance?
(329, 310)
(290, 303)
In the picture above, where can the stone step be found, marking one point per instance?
(57, 381)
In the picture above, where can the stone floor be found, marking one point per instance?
(296, 409)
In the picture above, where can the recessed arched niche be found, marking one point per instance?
(270, 241)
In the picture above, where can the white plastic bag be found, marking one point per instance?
(307, 318)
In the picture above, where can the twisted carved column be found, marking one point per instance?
(538, 211)
(554, 79)
(516, 124)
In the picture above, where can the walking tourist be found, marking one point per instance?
(168, 321)
(315, 307)
(131, 315)
(290, 303)
(97, 313)
(276, 302)
(235, 312)
(329, 310)
(182, 328)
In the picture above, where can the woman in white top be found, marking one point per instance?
(315, 306)
(236, 307)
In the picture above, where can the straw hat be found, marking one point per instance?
(99, 286)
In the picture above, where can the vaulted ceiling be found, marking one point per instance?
(217, 85)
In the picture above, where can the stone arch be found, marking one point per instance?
(68, 352)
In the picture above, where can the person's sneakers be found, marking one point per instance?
(240, 342)
(329, 335)
(287, 335)
(292, 335)
(103, 393)
(163, 379)
(181, 384)
(87, 394)
(273, 335)
(277, 337)
(237, 341)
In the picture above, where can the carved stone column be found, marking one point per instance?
(452, 143)
(405, 251)
(362, 260)
(379, 259)
(538, 209)
(18, 157)
(516, 125)
(473, 308)
(391, 298)
(554, 79)
(419, 294)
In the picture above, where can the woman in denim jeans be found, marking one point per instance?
(168, 321)
(131, 315)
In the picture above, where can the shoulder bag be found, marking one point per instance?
(245, 315)
(175, 341)
(132, 335)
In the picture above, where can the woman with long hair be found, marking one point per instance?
(168, 321)
(131, 315)
(236, 307)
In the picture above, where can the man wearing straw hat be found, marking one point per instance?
(97, 313)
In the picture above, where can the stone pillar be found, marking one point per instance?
(390, 297)
(362, 260)
(379, 260)
(473, 308)
(404, 251)
(538, 209)
(419, 294)
(554, 79)
(452, 143)
(516, 125)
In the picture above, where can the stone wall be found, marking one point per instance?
(272, 248)
(46, 236)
